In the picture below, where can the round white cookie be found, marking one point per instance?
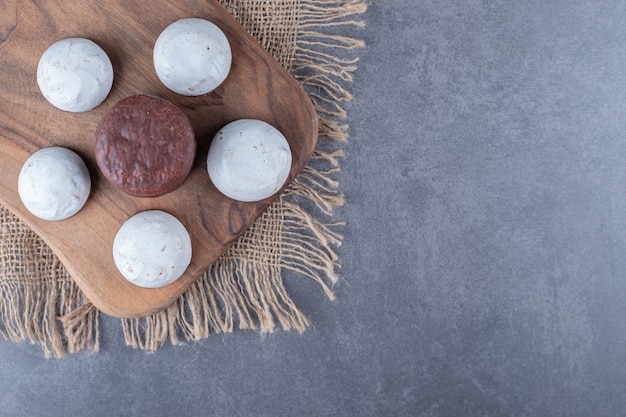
(75, 75)
(249, 160)
(54, 183)
(152, 249)
(192, 57)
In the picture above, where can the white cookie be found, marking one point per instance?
(75, 75)
(152, 249)
(54, 183)
(249, 160)
(192, 57)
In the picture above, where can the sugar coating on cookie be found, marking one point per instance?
(75, 75)
(249, 160)
(54, 183)
(192, 57)
(152, 249)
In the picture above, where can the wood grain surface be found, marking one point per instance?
(257, 87)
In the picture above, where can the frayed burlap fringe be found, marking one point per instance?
(39, 302)
(244, 289)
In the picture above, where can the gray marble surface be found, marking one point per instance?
(484, 267)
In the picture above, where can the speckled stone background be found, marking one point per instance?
(484, 261)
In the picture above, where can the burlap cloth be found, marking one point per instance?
(244, 289)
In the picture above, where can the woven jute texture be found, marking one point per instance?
(244, 289)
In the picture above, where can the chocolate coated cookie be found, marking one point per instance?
(145, 146)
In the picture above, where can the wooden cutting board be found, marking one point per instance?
(257, 87)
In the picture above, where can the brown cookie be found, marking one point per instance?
(145, 146)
